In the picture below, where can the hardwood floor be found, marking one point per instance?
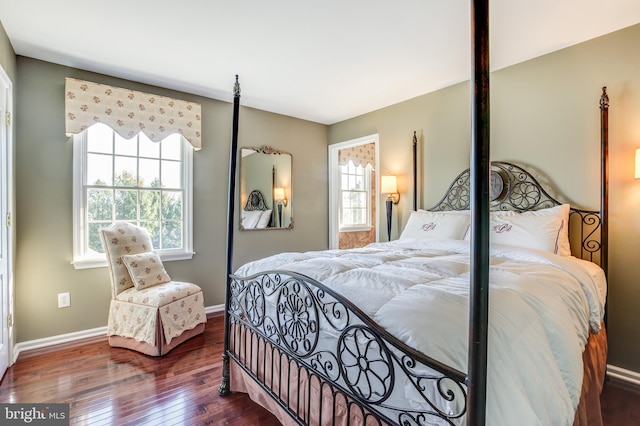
(106, 386)
(620, 403)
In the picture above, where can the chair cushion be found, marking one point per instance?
(159, 295)
(146, 269)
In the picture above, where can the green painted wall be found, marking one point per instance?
(7, 55)
(545, 114)
(44, 200)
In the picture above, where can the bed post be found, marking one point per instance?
(224, 386)
(480, 189)
(415, 172)
(604, 168)
(604, 188)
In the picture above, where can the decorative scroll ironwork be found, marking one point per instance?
(299, 315)
(256, 201)
(515, 189)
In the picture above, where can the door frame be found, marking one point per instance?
(334, 189)
(9, 217)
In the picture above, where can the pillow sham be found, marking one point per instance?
(146, 269)
(560, 212)
(529, 231)
(250, 219)
(265, 218)
(436, 225)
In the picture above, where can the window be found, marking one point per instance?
(355, 200)
(135, 180)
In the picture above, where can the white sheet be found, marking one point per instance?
(542, 307)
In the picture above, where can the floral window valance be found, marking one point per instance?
(129, 112)
(361, 155)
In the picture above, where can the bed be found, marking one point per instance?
(317, 329)
(403, 332)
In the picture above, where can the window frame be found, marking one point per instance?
(82, 259)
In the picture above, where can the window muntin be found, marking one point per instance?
(137, 181)
(355, 197)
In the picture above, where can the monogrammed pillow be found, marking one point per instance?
(436, 225)
(146, 269)
(536, 232)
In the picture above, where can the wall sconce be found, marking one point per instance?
(637, 173)
(278, 195)
(389, 186)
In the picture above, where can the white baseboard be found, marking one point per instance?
(77, 335)
(623, 374)
(214, 309)
(56, 340)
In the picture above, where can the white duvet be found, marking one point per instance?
(542, 308)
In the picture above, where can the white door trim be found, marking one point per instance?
(8, 219)
(334, 188)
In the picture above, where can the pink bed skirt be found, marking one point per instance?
(303, 394)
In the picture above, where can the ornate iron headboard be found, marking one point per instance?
(514, 188)
(256, 201)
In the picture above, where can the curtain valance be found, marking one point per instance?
(129, 112)
(361, 155)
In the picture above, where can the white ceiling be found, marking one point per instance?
(324, 60)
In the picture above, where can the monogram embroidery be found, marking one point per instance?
(499, 229)
(428, 227)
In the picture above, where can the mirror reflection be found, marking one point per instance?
(265, 189)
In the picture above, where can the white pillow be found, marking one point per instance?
(250, 218)
(436, 225)
(146, 269)
(265, 218)
(529, 231)
(561, 212)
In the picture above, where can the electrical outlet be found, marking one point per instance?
(64, 300)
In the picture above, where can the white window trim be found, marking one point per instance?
(363, 227)
(83, 261)
(334, 186)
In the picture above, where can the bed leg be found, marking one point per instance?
(223, 389)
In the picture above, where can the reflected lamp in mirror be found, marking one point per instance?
(280, 199)
(389, 186)
(637, 171)
(278, 195)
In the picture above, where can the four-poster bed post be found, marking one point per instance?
(233, 156)
(415, 171)
(604, 178)
(480, 208)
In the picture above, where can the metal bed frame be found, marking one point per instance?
(287, 341)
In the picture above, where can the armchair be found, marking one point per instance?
(149, 312)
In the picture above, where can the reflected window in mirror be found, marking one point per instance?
(265, 189)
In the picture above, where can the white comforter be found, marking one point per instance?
(542, 307)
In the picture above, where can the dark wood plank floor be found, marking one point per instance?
(107, 386)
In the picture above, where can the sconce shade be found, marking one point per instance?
(637, 173)
(278, 194)
(388, 185)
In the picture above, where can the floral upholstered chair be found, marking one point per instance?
(149, 312)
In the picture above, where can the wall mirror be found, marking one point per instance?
(265, 189)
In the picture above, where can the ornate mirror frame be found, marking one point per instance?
(265, 185)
